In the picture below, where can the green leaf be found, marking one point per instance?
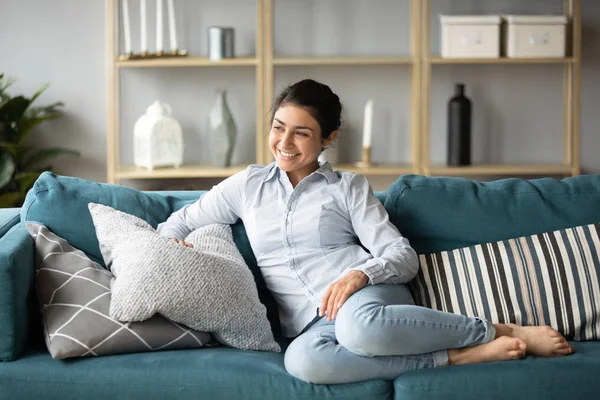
(21, 153)
(40, 91)
(46, 154)
(5, 82)
(11, 114)
(7, 168)
(35, 116)
(46, 111)
(14, 109)
(12, 199)
(26, 180)
(27, 126)
(10, 147)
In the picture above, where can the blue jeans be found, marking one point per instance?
(379, 334)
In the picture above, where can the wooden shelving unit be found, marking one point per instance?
(412, 60)
(571, 102)
(188, 62)
(420, 62)
(115, 170)
(502, 60)
(342, 61)
(185, 171)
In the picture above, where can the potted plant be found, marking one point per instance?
(20, 163)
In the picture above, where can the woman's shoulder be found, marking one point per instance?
(351, 179)
(254, 171)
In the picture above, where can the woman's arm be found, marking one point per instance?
(394, 260)
(223, 204)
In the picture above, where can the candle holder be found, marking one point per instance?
(147, 56)
(366, 158)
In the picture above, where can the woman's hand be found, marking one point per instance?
(339, 291)
(183, 243)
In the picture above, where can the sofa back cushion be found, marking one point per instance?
(61, 204)
(446, 213)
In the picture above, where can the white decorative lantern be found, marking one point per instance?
(157, 138)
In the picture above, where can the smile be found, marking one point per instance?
(289, 155)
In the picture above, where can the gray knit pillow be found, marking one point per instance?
(208, 288)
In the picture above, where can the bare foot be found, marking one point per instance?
(543, 341)
(503, 348)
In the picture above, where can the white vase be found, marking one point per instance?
(223, 131)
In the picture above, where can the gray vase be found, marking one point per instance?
(223, 131)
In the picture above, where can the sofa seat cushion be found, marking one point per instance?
(532, 378)
(216, 373)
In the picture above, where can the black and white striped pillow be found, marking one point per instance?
(545, 279)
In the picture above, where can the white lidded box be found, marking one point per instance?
(470, 36)
(535, 36)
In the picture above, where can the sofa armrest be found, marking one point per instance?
(16, 279)
(9, 217)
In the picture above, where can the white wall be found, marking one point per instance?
(63, 42)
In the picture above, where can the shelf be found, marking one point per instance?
(502, 60)
(208, 171)
(499, 169)
(186, 62)
(418, 61)
(185, 171)
(342, 60)
(377, 169)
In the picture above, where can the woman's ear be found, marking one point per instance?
(331, 138)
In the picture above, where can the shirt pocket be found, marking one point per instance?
(335, 227)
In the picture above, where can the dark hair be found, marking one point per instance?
(318, 99)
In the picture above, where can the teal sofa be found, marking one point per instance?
(434, 213)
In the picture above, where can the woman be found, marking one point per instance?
(350, 314)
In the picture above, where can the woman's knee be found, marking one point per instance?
(351, 325)
(356, 328)
(304, 358)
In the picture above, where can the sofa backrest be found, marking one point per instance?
(60, 203)
(444, 213)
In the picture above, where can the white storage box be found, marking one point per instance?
(470, 36)
(535, 36)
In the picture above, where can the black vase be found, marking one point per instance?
(459, 128)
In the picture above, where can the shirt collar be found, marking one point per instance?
(272, 171)
(324, 169)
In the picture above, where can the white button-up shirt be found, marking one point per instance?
(304, 238)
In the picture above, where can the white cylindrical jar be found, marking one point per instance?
(220, 43)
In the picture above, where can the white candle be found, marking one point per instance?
(172, 28)
(159, 26)
(143, 44)
(126, 28)
(368, 124)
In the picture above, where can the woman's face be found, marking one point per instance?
(295, 141)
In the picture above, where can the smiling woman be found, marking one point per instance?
(299, 131)
(337, 266)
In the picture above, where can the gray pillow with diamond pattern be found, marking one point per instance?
(74, 294)
(208, 287)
